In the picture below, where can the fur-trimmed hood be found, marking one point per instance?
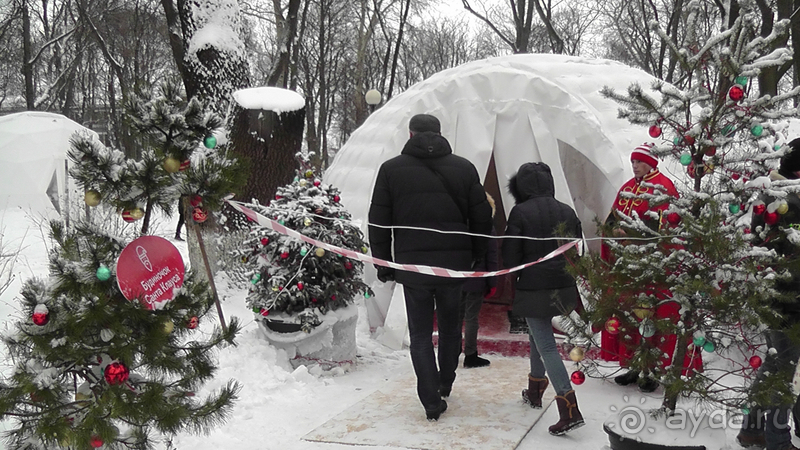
(532, 180)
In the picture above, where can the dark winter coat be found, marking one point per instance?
(538, 214)
(487, 264)
(427, 186)
(774, 238)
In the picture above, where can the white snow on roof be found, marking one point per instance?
(269, 98)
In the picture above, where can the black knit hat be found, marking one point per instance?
(790, 163)
(424, 122)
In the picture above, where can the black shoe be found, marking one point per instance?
(473, 360)
(647, 384)
(627, 378)
(748, 440)
(444, 391)
(178, 237)
(433, 416)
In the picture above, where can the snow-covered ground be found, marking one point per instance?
(278, 406)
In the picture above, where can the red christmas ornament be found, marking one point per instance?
(735, 176)
(596, 328)
(199, 215)
(336, 198)
(284, 255)
(264, 312)
(317, 182)
(736, 93)
(193, 322)
(313, 300)
(348, 265)
(116, 373)
(759, 208)
(655, 131)
(577, 377)
(755, 361)
(771, 218)
(184, 165)
(746, 230)
(711, 151)
(673, 218)
(300, 285)
(196, 200)
(96, 442)
(132, 215)
(41, 315)
(333, 297)
(688, 140)
(278, 197)
(264, 241)
(612, 325)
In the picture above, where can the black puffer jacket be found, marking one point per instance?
(774, 237)
(537, 214)
(409, 192)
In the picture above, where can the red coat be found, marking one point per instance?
(620, 347)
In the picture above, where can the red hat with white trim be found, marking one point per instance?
(642, 153)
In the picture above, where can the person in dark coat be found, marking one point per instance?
(424, 189)
(768, 426)
(543, 290)
(472, 295)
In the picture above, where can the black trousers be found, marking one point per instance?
(420, 304)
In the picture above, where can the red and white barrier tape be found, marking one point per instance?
(429, 270)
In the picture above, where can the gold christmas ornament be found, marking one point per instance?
(302, 183)
(642, 312)
(577, 354)
(309, 173)
(168, 326)
(783, 208)
(92, 198)
(307, 222)
(320, 252)
(171, 165)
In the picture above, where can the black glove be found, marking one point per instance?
(385, 274)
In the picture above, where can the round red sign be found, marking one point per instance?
(149, 269)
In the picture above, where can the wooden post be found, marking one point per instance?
(209, 272)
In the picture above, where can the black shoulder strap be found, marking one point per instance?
(447, 186)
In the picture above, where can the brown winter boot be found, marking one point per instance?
(536, 388)
(569, 415)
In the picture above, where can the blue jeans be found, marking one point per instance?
(468, 312)
(545, 356)
(420, 303)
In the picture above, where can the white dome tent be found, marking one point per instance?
(33, 160)
(502, 112)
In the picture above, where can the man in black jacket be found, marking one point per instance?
(428, 188)
(769, 426)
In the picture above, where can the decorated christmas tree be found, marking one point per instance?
(294, 281)
(701, 254)
(109, 352)
(172, 162)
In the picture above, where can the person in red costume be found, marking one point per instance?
(620, 347)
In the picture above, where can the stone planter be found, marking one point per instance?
(331, 344)
(634, 426)
(618, 442)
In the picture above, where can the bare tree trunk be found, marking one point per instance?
(27, 57)
(398, 42)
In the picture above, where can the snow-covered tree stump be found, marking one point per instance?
(331, 344)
